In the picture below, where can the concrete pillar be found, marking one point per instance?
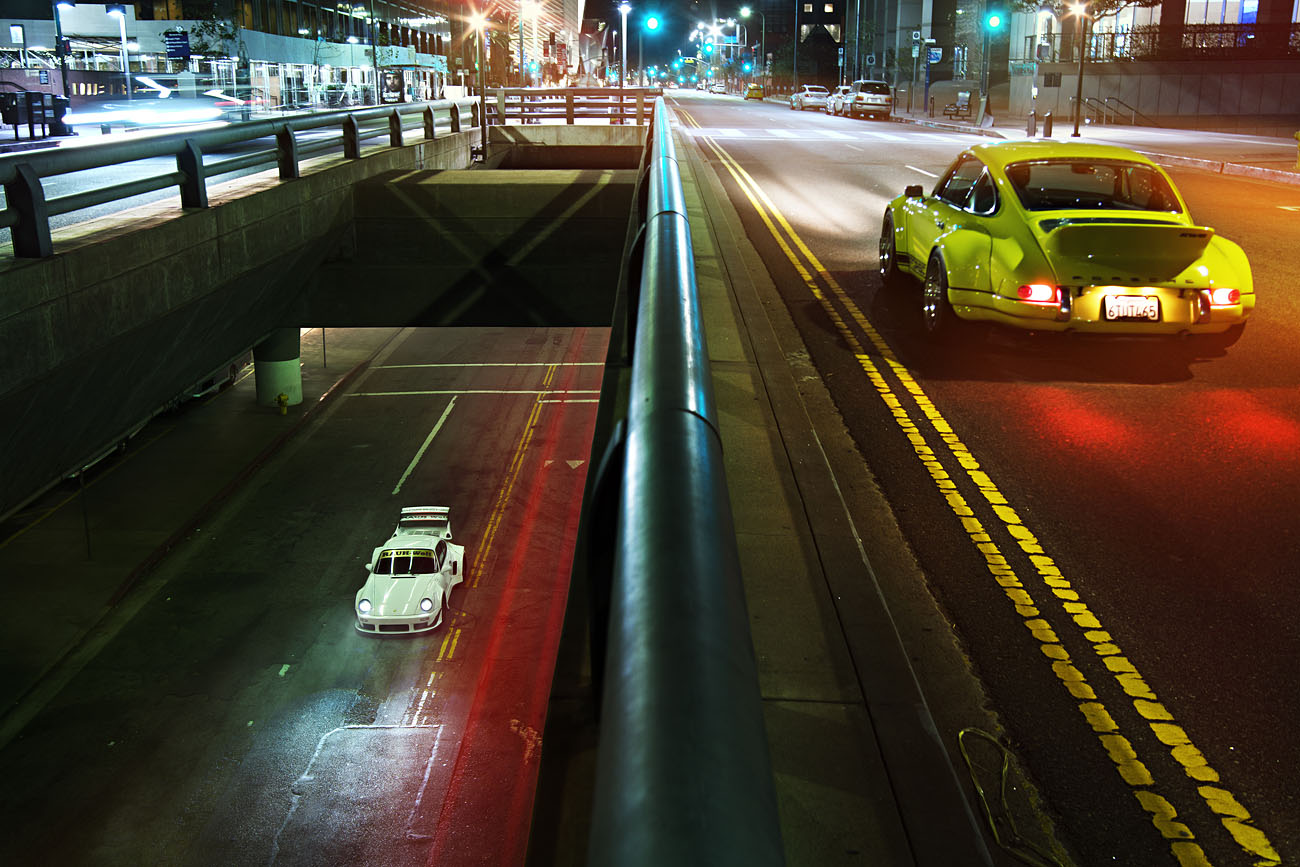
(276, 368)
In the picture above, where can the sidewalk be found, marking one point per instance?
(1264, 158)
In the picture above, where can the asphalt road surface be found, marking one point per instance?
(1110, 527)
(235, 716)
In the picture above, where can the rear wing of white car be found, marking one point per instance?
(435, 520)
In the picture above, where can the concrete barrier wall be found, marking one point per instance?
(479, 247)
(135, 308)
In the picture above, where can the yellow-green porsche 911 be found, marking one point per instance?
(1055, 236)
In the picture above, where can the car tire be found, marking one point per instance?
(938, 320)
(1217, 343)
(890, 275)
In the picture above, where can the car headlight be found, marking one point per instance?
(426, 604)
(364, 606)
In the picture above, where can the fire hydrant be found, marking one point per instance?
(282, 401)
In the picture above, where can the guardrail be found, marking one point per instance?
(27, 211)
(571, 104)
(683, 772)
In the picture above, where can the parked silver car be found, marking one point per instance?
(838, 99)
(809, 96)
(874, 99)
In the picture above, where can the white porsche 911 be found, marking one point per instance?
(412, 574)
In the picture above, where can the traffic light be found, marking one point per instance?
(652, 23)
(994, 17)
(749, 67)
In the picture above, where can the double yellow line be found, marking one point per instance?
(905, 402)
(512, 475)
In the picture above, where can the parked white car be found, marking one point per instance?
(411, 576)
(809, 96)
(875, 99)
(835, 102)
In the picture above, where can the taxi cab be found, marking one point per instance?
(754, 91)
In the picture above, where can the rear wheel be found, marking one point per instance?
(890, 275)
(937, 316)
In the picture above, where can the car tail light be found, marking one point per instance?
(1224, 297)
(1038, 293)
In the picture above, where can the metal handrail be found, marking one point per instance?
(1133, 113)
(683, 772)
(27, 211)
(570, 104)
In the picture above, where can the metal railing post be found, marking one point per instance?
(31, 234)
(395, 129)
(430, 124)
(455, 117)
(351, 138)
(286, 152)
(194, 189)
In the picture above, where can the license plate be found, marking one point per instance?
(1133, 308)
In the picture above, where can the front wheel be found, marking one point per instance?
(937, 316)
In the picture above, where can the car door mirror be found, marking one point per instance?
(368, 568)
(913, 191)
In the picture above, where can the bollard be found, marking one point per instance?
(1047, 125)
(282, 401)
(1031, 129)
(932, 107)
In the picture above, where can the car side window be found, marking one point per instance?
(956, 186)
(984, 197)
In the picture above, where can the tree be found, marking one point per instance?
(1096, 9)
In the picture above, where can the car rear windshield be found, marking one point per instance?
(818, 90)
(1066, 184)
(407, 561)
(877, 87)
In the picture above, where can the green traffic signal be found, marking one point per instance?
(993, 21)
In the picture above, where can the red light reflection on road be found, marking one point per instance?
(1066, 420)
(488, 806)
(1242, 420)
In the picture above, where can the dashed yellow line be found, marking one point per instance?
(1234, 817)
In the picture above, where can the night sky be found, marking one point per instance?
(678, 18)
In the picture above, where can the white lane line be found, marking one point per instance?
(494, 364)
(563, 400)
(922, 171)
(415, 460)
(840, 136)
(474, 391)
(789, 133)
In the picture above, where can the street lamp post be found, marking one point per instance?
(118, 11)
(1081, 10)
(623, 9)
(59, 6)
(479, 23)
(794, 68)
(744, 13)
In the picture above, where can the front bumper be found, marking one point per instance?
(372, 624)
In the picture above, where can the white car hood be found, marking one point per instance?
(401, 596)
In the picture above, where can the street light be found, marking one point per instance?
(992, 22)
(478, 22)
(651, 24)
(623, 9)
(59, 6)
(118, 11)
(744, 13)
(1081, 10)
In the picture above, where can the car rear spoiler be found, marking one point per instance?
(438, 517)
(1166, 248)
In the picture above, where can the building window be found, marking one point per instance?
(807, 7)
(829, 7)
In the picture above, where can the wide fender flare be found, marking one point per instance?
(1228, 264)
(966, 257)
